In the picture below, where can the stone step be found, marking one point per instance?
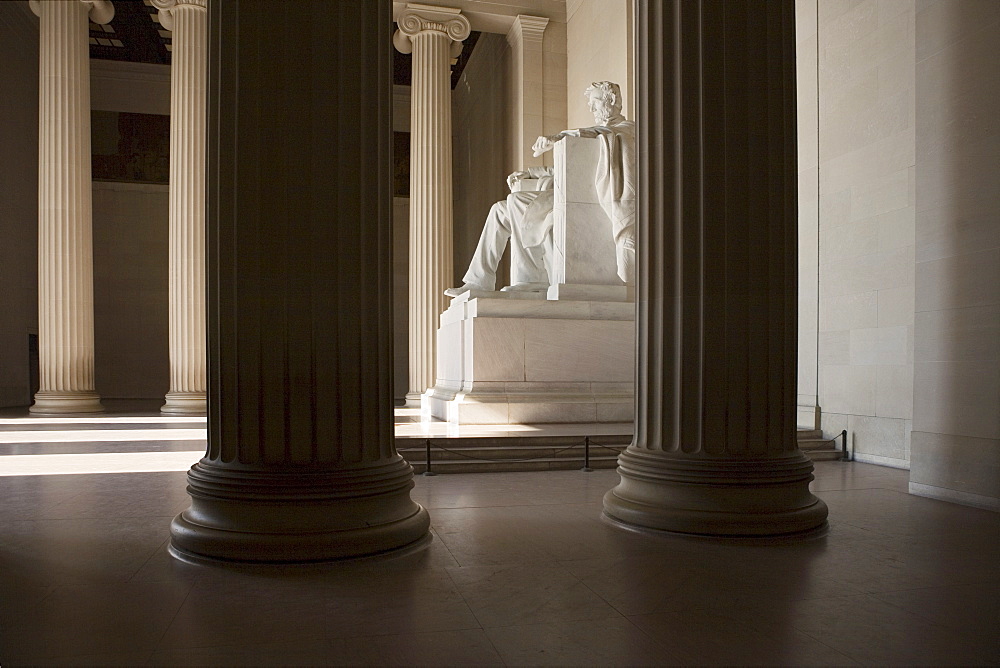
(817, 448)
(471, 455)
(824, 455)
(818, 444)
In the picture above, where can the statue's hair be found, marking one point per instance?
(608, 90)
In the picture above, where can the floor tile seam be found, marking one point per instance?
(241, 645)
(465, 600)
(752, 630)
(437, 536)
(653, 639)
(131, 578)
(495, 648)
(857, 661)
(173, 618)
(873, 597)
(515, 624)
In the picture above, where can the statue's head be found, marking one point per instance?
(604, 99)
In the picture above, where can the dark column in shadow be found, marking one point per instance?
(301, 464)
(714, 449)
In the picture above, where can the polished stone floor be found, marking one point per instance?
(521, 570)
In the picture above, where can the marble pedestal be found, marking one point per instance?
(518, 358)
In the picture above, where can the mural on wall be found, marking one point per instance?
(130, 147)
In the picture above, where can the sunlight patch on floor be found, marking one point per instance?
(99, 462)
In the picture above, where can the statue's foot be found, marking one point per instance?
(526, 287)
(454, 292)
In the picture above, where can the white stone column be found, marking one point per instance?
(301, 464)
(434, 36)
(65, 239)
(714, 449)
(525, 39)
(188, 19)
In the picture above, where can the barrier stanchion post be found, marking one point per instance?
(586, 455)
(427, 457)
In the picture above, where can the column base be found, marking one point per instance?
(724, 497)
(289, 516)
(184, 403)
(48, 402)
(413, 399)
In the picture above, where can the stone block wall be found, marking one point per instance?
(598, 44)
(956, 416)
(858, 209)
(18, 200)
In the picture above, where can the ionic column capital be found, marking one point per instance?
(167, 8)
(526, 29)
(416, 19)
(101, 11)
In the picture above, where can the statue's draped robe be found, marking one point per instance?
(615, 183)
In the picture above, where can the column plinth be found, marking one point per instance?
(188, 21)
(65, 228)
(301, 464)
(714, 451)
(433, 35)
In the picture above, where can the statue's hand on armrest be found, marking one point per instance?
(544, 144)
(513, 179)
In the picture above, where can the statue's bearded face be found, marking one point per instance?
(600, 106)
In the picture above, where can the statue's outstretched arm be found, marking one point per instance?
(543, 144)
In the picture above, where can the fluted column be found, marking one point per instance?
(433, 35)
(525, 39)
(188, 20)
(301, 464)
(65, 238)
(714, 449)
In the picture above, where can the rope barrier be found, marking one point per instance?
(612, 447)
(586, 444)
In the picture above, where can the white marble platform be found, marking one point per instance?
(504, 360)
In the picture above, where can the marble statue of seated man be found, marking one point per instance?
(524, 218)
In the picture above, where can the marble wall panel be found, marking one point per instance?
(130, 290)
(958, 281)
(895, 230)
(835, 347)
(844, 242)
(847, 389)
(956, 468)
(597, 42)
(958, 335)
(496, 349)
(942, 25)
(894, 391)
(400, 297)
(807, 100)
(850, 311)
(546, 340)
(480, 111)
(542, 412)
(939, 236)
(959, 398)
(449, 367)
(895, 306)
(866, 138)
(834, 424)
(882, 437)
(18, 201)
